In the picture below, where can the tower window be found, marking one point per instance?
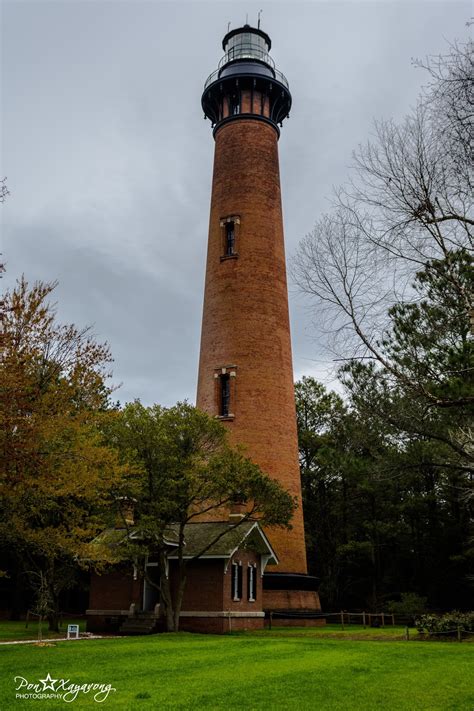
(234, 104)
(224, 395)
(229, 239)
(230, 236)
(224, 379)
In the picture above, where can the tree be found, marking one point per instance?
(384, 510)
(189, 473)
(319, 416)
(56, 472)
(345, 504)
(390, 270)
(427, 412)
(424, 383)
(408, 204)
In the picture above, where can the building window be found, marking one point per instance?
(229, 239)
(224, 409)
(234, 104)
(230, 230)
(224, 379)
(236, 591)
(251, 583)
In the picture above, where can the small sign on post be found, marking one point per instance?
(73, 631)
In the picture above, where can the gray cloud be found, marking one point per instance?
(109, 160)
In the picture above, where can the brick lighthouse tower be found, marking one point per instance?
(245, 368)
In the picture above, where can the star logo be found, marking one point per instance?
(48, 683)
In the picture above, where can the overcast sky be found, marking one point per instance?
(109, 160)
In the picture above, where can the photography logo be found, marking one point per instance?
(65, 689)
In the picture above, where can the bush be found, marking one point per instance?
(449, 622)
(410, 604)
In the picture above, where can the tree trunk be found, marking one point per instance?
(53, 614)
(165, 593)
(53, 621)
(179, 600)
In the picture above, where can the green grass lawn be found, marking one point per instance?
(276, 670)
(349, 632)
(18, 631)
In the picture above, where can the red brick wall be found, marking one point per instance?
(114, 590)
(245, 316)
(209, 588)
(204, 586)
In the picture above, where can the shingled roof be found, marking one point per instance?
(225, 538)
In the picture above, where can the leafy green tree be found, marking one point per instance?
(189, 473)
(410, 604)
(57, 475)
(429, 343)
(344, 502)
(382, 512)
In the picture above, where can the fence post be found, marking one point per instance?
(342, 619)
(459, 634)
(383, 620)
(271, 618)
(393, 620)
(363, 619)
(370, 620)
(407, 634)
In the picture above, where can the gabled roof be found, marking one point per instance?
(225, 538)
(112, 539)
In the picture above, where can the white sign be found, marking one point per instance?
(73, 631)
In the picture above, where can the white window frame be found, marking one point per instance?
(235, 581)
(252, 584)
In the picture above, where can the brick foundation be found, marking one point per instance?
(105, 623)
(220, 625)
(304, 622)
(291, 600)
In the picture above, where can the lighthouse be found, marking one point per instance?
(245, 367)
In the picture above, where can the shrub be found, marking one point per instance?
(449, 622)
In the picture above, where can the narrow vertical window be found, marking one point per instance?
(234, 102)
(229, 239)
(230, 236)
(251, 583)
(236, 592)
(224, 394)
